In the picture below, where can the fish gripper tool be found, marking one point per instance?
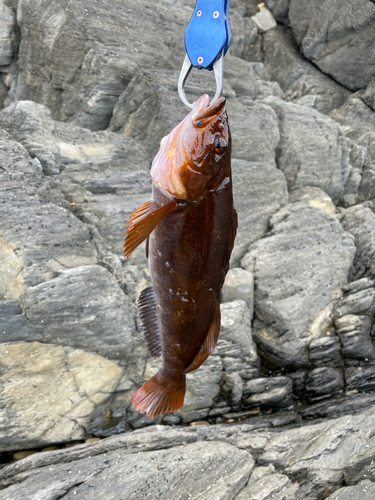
(207, 39)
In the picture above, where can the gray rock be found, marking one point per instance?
(369, 95)
(236, 346)
(313, 150)
(14, 326)
(354, 332)
(367, 187)
(358, 302)
(239, 285)
(49, 392)
(90, 65)
(306, 250)
(232, 387)
(268, 392)
(328, 35)
(358, 121)
(360, 222)
(301, 81)
(325, 351)
(259, 191)
(7, 35)
(268, 487)
(57, 144)
(365, 490)
(91, 294)
(279, 9)
(158, 474)
(360, 377)
(323, 381)
(314, 197)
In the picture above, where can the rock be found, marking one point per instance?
(360, 222)
(7, 35)
(248, 78)
(89, 64)
(232, 387)
(268, 486)
(239, 285)
(268, 392)
(358, 121)
(369, 95)
(365, 490)
(91, 294)
(14, 325)
(163, 474)
(306, 250)
(236, 346)
(314, 197)
(57, 144)
(325, 351)
(313, 150)
(360, 301)
(259, 191)
(279, 9)
(301, 81)
(360, 377)
(202, 389)
(53, 402)
(328, 35)
(354, 332)
(323, 381)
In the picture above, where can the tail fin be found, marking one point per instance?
(160, 395)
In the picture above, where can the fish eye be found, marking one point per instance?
(220, 145)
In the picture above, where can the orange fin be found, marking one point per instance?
(143, 221)
(209, 343)
(149, 316)
(160, 395)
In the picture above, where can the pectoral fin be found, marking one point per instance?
(143, 221)
(210, 342)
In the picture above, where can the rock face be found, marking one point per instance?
(334, 39)
(293, 264)
(87, 91)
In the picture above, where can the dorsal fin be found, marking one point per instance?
(143, 221)
(148, 313)
(209, 343)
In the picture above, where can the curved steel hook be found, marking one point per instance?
(185, 71)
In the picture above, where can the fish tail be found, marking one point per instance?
(161, 394)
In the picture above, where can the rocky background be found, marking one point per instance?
(87, 90)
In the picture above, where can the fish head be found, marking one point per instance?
(195, 155)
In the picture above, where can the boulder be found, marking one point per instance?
(313, 149)
(306, 250)
(336, 37)
(49, 392)
(301, 81)
(360, 222)
(7, 34)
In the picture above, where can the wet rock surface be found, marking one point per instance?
(87, 91)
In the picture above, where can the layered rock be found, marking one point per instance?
(306, 255)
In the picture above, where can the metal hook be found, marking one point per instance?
(185, 71)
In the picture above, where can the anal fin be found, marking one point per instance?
(149, 316)
(143, 221)
(209, 343)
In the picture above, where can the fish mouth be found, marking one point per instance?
(204, 112)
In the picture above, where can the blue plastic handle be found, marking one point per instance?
(207, 37)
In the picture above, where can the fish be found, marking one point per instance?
(190, 225)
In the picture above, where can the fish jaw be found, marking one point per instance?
(187, 163)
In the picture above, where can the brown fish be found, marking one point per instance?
(191, 223)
